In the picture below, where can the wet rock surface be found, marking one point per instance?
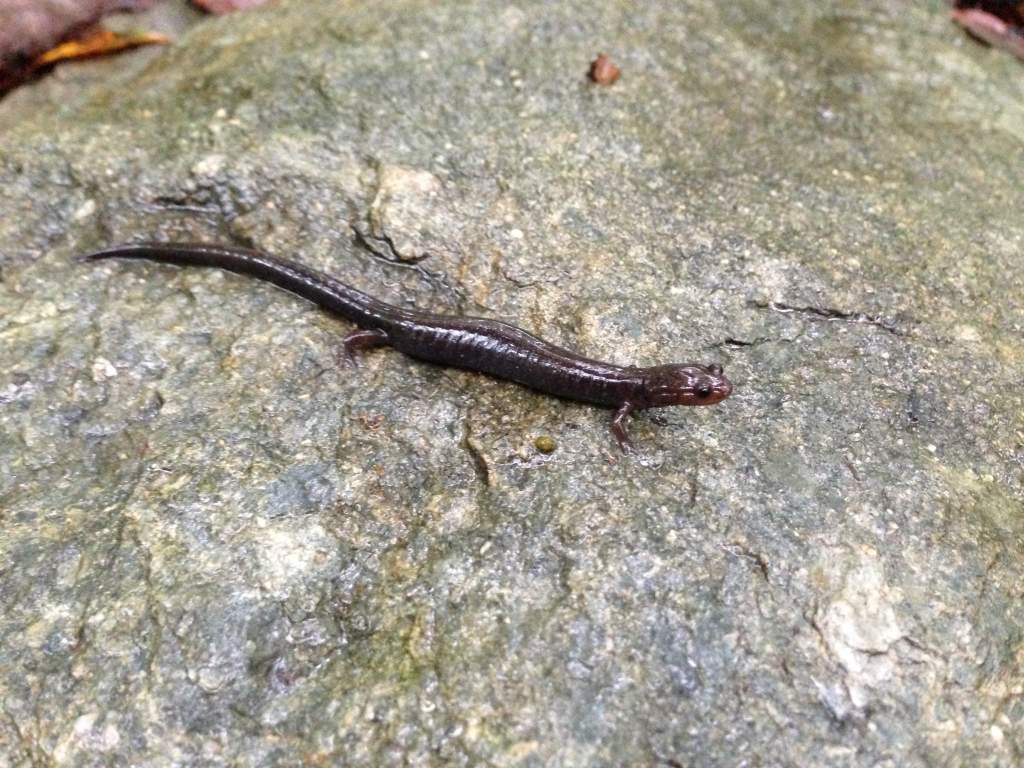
(220, 544)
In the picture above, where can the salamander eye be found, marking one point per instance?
(704, 390)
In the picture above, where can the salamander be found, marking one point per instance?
(473, 343)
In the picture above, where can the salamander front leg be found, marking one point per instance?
(619, 426)
(363, 339)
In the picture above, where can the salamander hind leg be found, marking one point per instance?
(619, 426)
(362, 339)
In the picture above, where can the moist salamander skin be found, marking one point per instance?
(474, 343)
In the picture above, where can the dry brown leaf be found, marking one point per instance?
(603, 71)
(30, 27)
(999, 23)
(99, 42)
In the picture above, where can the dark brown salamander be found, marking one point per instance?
(475, 343)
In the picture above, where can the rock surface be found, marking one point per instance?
(220, 545)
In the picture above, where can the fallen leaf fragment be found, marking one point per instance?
(99, 42)
(996, 22)
(30, 27)
(220, 7)
(603, 71)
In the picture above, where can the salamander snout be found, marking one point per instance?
(685, 385)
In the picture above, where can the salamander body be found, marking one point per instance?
(474, 343)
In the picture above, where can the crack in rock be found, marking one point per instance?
(831, 313)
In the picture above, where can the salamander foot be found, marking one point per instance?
(360, 340)
(619, 426)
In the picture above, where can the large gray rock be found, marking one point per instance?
(219, 544)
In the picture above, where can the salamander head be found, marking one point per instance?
(685, 385)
